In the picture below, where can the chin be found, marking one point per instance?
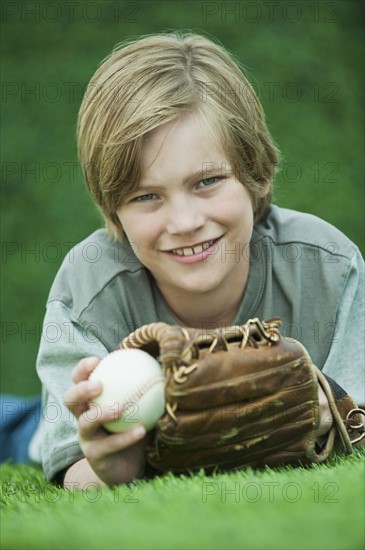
(201, 288)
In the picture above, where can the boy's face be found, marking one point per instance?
(190, 221)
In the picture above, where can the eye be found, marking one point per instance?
(147, 197)
(207, 182)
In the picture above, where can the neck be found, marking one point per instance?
(216, 318)
(208, 310)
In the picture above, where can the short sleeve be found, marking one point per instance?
(64, 342)
(346, 360)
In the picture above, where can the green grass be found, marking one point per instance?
(321, 507)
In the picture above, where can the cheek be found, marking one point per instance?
(130, 229)
(139, 229)
(236, 209)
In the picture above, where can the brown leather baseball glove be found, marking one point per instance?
(241, 396)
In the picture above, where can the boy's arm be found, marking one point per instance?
(57, 358)
(343, 370)
(345, 361)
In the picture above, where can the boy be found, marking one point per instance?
(176, 153)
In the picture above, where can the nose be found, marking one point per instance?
(185, 216)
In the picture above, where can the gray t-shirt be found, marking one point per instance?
(302, 269)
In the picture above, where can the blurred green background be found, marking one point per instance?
(304, 59)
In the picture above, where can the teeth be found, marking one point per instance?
(193, 250)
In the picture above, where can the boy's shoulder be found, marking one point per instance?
(99, 249)
(91, 265)
(284, 227)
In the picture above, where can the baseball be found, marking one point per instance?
(133, 384)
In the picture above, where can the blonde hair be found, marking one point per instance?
(151, 81)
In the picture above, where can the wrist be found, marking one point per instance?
(80, 475)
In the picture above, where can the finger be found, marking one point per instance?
(84, 368)
(114, 443)
(77, 398)
(92, 419)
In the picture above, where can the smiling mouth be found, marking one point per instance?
(189, 251)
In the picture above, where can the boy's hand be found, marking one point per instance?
(325, 415)
(115, 458)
